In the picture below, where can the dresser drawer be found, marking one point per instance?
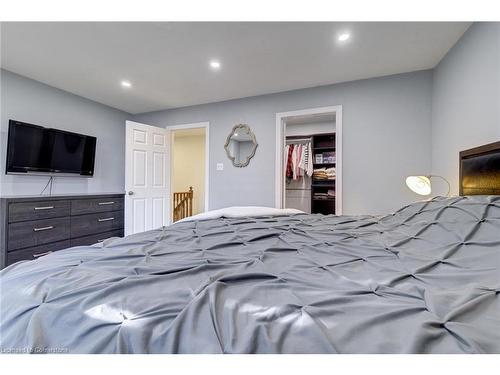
(85, 225)
(38, 210)
(95, 238)
(38, 232)
(32, 253)
(90, 206)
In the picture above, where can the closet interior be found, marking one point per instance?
(310, 164)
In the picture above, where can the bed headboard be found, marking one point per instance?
(480, 170)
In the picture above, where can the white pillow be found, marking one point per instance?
(243, 211)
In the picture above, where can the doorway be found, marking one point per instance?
(189, 169)
(319, 132)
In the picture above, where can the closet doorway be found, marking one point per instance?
(309, 160)
(189, 169)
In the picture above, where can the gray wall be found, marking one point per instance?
(386, 126)
(27, 100)
(466, 98)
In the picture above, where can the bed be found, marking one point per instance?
(424, 279)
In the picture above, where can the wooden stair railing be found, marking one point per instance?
(183, 204)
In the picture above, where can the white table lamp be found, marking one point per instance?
(422, 184)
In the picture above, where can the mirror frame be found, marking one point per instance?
(254, 149)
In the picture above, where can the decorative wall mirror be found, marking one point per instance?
(240, 145)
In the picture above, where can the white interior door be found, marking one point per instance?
(147, 177)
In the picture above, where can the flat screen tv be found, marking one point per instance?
(33, 149)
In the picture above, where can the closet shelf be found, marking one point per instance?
(324, 148)
(329, 184)
(322, 164)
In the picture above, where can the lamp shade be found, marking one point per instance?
(419, 184)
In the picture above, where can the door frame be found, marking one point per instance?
(194, 125)
(279, 183)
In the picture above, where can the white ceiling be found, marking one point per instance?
(167, 63)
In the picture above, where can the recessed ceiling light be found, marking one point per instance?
(214, 64)
(126, 84)
(343, 37)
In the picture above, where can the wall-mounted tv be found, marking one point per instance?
(33, 149)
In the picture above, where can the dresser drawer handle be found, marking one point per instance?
(105, 203)
(44, 208)
(43, 228)
(107, 219)
(41, 254)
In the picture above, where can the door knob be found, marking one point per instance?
(130, 192)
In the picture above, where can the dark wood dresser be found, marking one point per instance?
(35, 226)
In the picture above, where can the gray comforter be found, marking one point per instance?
(425, 279)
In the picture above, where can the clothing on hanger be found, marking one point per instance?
(294, 161)
(289, 163)
(300, 154)
(299, 160)
(309, 160)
